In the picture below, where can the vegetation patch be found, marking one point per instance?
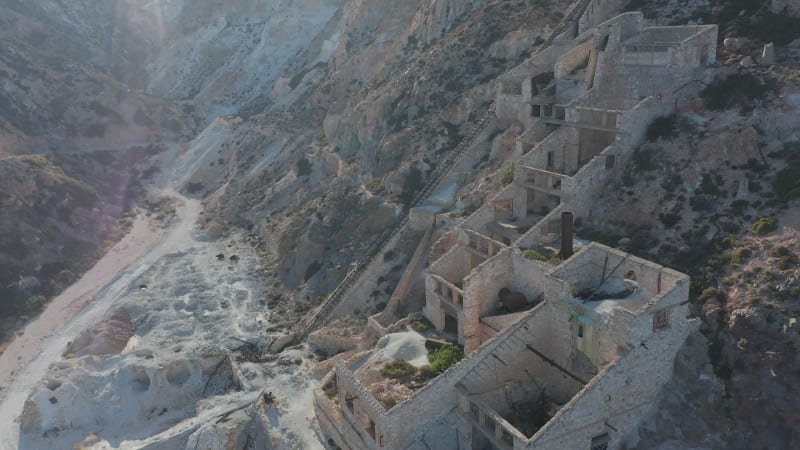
(765, 225)
(780, 29)
(778, 252)
(664, 127)
(303, 167)
(420, 324)
(412, 185)
(786, 183)
(736, 89)
(540, 255)
(445, 356)
(398, 369)
(506, 174)
(643, 158)
(312, 269)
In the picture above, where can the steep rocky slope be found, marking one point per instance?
(714, 194)
(49, 103)
(406, 83)
(59, 214)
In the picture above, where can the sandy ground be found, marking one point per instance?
(28, 357)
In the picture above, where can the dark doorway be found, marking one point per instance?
(450, 324)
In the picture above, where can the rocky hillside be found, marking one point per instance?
(337, 114)
(715, 193)
(318, 179)
(59, 214)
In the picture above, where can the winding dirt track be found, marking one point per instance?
(25, 361)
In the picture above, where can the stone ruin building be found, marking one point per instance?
(567, 342)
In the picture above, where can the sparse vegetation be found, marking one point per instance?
(643, 159)
(398, 369)
(312, 269)
(445, 356)
(540, 255)
(780, 29)
(765, 225)
(736, 89)
(303, 167)
(506, 174)
(412, 185)
(420, 324)
(664, 127)
(786, 183)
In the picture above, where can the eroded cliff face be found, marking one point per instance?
(327, 164)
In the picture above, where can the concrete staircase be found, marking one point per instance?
(319, 317)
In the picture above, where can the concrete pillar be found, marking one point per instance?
(566, 235)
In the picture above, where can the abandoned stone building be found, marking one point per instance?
(567, 342)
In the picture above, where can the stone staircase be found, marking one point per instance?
(319, 317)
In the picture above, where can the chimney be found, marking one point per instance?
(566, 235)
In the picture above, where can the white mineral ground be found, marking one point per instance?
(163, 387)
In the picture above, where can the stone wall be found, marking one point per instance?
(480, 295)
(592, 177)
(329, 344)
(514, 93)
(409, 419)
(547, 230)
(366, 409)
(598, 11)
(516, 373)
(412, 275)
(616, 399)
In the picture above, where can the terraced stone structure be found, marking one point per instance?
(580, 364)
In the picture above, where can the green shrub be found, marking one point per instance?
(708, 186)
(303, 167)
(35, 302)
(669, 219)
(419, 324)
(507, 174)
(643, 159)
(412, 185)
(445, 356)
(663, 127)
(312, 269)
(539, 255)
(375, 186)
(786, 183)
(298, 77)
(765, 225)
(425, 372)
(786, 262)
(739, 255)
(733, 90)
(780, 29)
(778, 252)
(331, 391)
(397, 369)
(738, 207)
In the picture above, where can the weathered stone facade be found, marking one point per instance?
(582, 363)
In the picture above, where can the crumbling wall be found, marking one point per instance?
(402, 423)
(480, 295)
(506, 376)
(562, 144)
(514, 93)
(365, 407)
(545, 231)
(597, 12)
(593, 176)
(617, 398)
